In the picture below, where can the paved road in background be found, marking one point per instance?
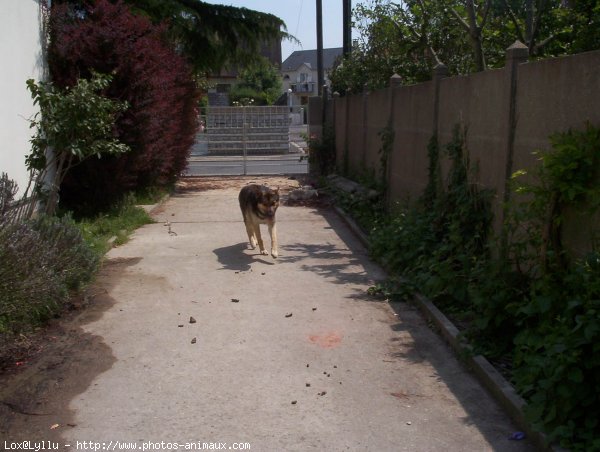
(255, 165)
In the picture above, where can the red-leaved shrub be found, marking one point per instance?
(161, 122)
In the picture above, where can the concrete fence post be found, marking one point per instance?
(365, 127)
(336, 97)
(395, 82)
(346, 162)
(325, 98)
(440, 71)
(516, 54)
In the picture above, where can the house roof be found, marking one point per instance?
(309, 57)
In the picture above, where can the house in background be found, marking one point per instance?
(22, 49)
(299, 72)
(221, 83)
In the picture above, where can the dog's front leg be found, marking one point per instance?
(273, 234)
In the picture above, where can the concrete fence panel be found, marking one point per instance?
(554, 96)
(508, 114)
(378, 114)
(340, 106)
(476, 103)
(412, 121)
(356, 125)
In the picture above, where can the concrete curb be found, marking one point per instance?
(489, 377)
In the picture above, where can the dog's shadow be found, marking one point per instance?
(239, 257)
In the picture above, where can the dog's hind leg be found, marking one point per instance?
(251, 235)
(249, 230)
(261, 246)
(273, 234)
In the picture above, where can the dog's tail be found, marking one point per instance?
(242, 198)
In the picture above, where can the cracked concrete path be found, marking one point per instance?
(284, 355)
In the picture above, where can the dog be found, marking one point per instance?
(259, 204)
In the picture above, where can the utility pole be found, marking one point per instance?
(347, 26)
(320, 73)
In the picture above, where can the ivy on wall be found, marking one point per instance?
(534, 304)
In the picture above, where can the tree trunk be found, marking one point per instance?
(52, 201)
(475, 36)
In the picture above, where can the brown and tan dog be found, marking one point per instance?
(259, 204)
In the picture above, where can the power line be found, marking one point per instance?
(299, 15)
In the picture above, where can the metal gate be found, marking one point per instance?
(246, 141)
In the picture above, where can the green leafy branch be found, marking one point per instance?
(72, 125)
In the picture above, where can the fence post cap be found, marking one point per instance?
(440, 70)
(395, 80)
(517, 51)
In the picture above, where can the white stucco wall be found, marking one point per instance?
(21, 57)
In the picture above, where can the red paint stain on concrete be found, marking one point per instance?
(328, 340)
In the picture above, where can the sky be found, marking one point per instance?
(300, 18)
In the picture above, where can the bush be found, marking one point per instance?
(73, 125)
(244, 95)
(557, 354)
(41, 262)
(259, 81)
(161, 123)
(556, 318)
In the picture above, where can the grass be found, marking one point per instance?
(114, 226)
(152, 195)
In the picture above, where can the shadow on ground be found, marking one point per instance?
(239, 258)
(34, 401)
(413, 340)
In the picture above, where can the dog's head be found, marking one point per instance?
(268, 201)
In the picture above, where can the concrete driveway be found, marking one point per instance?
(197, 339)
